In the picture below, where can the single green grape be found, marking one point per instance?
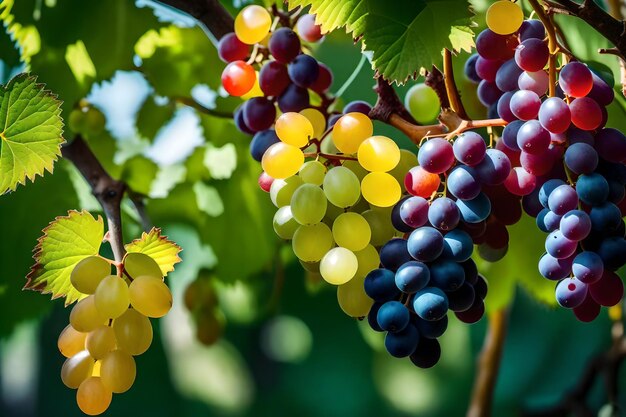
(423, 103)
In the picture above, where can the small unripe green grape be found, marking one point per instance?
(93, 397)
(76, 369)
(369, 259)
(338, 266)
(342, 187)
(77, 121)
(310, 243)
(84, 316)
(88, 273)
(423, 103)
(312, 172)
(378, 154)
(71, 341)
(112, 297)
(94, 121)
(352, 298)
(351, 231)
(350, 130)
(294, 129)
(200, 293)
(252, 24)
(407, 161)
(100, 341)
(282, 160)
(328, 146)
(317, 119)
(358, 170)
(310, 266)
(308, 204)
(284, 223)
(381, 189)
(504, 17)
(209, 328)
(136, 264)
(281, 191)
(380, 225)
(150, 296)
(118, 371)
(133, 332)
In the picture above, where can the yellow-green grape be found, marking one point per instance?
(133, 332)
(360, 206)
(70, 341)
(281, 191)
(338, 266)
(504, 17)
(84, 316)
(252, 24)
(118, 371)
(201, 293)
(342, 187)
(308, 204)
(352, 298)
(332, 212)
(369, 259)
(284, 223)
(381, 189)
(294, 129)
(282, 160)
(77, 121)
(100, 341)
(112, 297)
(317, 119)
(312, 172)
(76, 369)
(93, 397)
(150, 296)
(310, 243)
(350, 130)
(351, 231)
(423, 103)
(407, 161)
(380, 225)
(137, 264)
(310, 266)
(209, 328)
(88, 273)
(328, 146)
(379, 154)
(358, 170)
(94, 121)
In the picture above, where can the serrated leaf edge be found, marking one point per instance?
(161, 238)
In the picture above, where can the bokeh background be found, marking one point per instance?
(287, 348)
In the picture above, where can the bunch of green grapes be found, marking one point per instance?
(334, 199)
(86, 120)
(109, 326)
(202, 301)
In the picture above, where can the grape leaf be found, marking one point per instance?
(158, 247)
(65, 242)
(404, 36)
(31, 131)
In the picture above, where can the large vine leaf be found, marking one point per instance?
(31, 131)
(404, 36)
(65, 242)
(158, 247)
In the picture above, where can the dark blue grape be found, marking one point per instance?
(303, 70)
(470, 69)
(457, 246)
(612, 251)
(463, 182)
(412, 277)
(605, 217)
(475, 210)
(430, 303)
(426, 354)
(393, 316)
(403, 343)
(588, 267)
(431, 329)
(380, 285)
(293, 99)
(425, 244)
(462, 299)
(372, 316)
(394, 253)
(553, 268)
(547, 188)
(358, 106)
(443, 214)
(447, 275)
(284, 45)
(261, 141)
(581, 158)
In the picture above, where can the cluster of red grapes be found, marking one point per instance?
(567, 166)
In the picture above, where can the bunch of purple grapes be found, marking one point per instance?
(568, 168)
(286, 77)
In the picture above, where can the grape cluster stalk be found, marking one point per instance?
(396, 233)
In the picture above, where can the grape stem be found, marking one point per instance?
(488, 365)
(352, 76)
(552, 44)
(190, 102)
(452, 91)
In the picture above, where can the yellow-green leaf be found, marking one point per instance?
(65, 242)
(158, 247)
(31, 131)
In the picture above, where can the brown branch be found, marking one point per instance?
(188, 101)
(138, 201)
(108, 191)
(488, 365)
(552, 44)
(210, 13)
(388, 103)
(453, 93)
(434, 79)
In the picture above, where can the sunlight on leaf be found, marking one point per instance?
(80, 62)
(158, 247)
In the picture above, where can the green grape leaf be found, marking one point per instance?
(65, 242)
(31, 131)
(519, 266)
(404, 37)
(158, 247)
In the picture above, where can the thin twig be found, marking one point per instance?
(552, 45)
(488, 365)
(452, 91)
(188, 101)
(434, 79)
(210, 13)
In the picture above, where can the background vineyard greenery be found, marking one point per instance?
(131, 62)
